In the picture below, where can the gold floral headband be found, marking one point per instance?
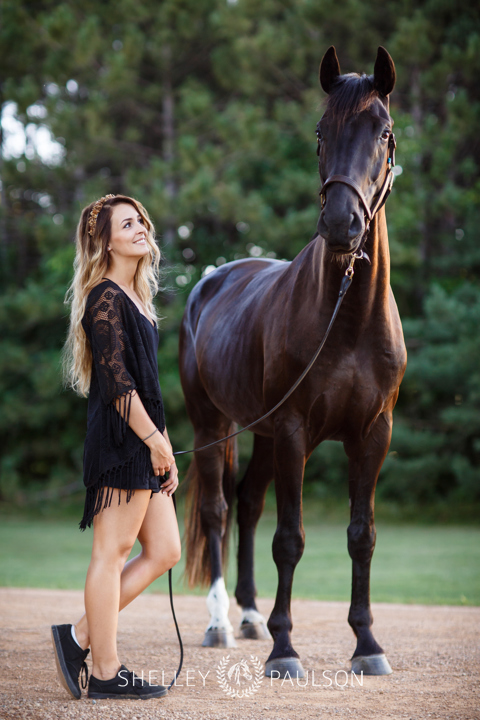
(92, 220)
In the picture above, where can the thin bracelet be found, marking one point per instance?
(149, 436)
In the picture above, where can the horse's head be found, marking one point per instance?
(355, 147)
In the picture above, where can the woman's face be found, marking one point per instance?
(128, 237)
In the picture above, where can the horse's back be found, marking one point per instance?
(240, 283)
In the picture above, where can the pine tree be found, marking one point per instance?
(206, 111)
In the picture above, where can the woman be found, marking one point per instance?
(110, 354)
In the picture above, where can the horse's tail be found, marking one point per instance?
(198, 565)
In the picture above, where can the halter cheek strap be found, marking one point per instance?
(384, 190)
(346, 181)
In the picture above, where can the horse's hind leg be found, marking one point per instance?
(211, 494)
(212, 489)
(214, 513)
(251, 499)
(365, 461)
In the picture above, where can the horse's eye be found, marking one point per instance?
(319, 133)
(385, 134)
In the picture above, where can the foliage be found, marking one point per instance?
(207, 112)
(437, 443)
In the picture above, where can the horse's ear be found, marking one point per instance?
(329, 69)
(384, 72)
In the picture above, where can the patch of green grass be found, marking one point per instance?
(411, 563)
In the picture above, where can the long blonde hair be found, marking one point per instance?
(90, 265)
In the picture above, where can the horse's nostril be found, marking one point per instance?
(356, 226)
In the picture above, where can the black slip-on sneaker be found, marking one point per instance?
(124, 686)
(70, 659)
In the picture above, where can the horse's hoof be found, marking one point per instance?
(371, 665)
(219, 638)
(284, 667)
(255, 631)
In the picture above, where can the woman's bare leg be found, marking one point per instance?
(161, 548)
(114, 531)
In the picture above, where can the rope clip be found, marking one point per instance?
(349, 271)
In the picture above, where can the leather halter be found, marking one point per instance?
(384, 190)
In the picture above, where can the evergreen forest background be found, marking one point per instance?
(206, 111)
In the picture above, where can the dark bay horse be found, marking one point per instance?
(249, 330)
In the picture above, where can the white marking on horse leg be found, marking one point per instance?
(252, 616)
(218, 605)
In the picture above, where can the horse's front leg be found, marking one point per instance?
(365, 461)
(251, 499)
(288, 544)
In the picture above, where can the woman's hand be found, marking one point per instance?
(160, 454)
(170, 485)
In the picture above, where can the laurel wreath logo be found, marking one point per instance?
(237, 692)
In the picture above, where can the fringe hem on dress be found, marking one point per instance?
(139, 465)
(100, 495)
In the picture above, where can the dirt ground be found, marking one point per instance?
(434, 653)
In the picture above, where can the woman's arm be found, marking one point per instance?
(160, 447)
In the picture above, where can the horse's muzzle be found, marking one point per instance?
(343, 235)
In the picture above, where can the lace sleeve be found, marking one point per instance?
(110, 344)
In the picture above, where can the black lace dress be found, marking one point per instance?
(124, 346)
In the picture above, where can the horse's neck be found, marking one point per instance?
(368, 294)
(371, 283)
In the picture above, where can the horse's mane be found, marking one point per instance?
(350, 95)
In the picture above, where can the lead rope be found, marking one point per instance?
(170, 590)
(345, 284)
